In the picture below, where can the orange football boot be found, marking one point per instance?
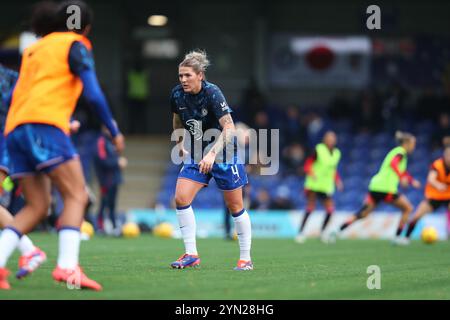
(4, 284)
(75, 279)
(29, 263)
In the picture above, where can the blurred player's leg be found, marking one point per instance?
(101, 209)
(406, 207)
(25, 246)
(329, 209)
(227, 223)
(36, 190)
(31, 257)
(366, 209)
(423, 208)
(185, 192)
(241, 218)
(68, 178)
(112, 199)
(361, 214)
(310, 206)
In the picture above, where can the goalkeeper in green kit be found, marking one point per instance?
(384, 185)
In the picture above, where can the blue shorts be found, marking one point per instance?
(228, 176)
(35, 148)
(4, 158)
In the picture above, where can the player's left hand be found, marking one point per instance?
(416, 184)
(340, 186)
(207, 162)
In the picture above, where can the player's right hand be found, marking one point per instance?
(440, 186)
(119, 142)
(416, 184)
(123, 162)
(404, 181)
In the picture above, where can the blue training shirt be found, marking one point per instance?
(199, 112)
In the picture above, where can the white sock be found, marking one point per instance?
(69, 248)
(186, 220)
(8, 243)
(26, 247)
(244, 232)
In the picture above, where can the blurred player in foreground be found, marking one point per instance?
(321, 178)
(384, 185)
(437, 191)
(31, 256)
(55, 71)
(197, 106)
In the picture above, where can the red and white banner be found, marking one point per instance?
(342, 62)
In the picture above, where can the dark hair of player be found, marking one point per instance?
(43, 17)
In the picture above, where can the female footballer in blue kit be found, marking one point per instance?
(197, 106)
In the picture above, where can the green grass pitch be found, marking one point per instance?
(139, 269)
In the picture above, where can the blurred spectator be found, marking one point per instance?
(262, 200)
(393, 111)
(293, 157)
(368, 118)
(282, 200)
(293, 131)
(340, 107)
(261, 120)
(109, 166)
(442, 132)
(138, 92)
(427, 104)
(316, 127)
(253, 102)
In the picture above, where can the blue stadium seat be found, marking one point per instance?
(378, 153)
(361, 140)
(342, 127)
(353, 182)
(381, 140)
(424, 127)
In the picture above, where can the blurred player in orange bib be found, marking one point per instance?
(55, 71)
(31, 256)
(437, 190)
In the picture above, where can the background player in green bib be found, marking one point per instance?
(384, 185)
(321, 180)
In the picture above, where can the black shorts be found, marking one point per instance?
(319, 195)
(377, 197)
(436, 204)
